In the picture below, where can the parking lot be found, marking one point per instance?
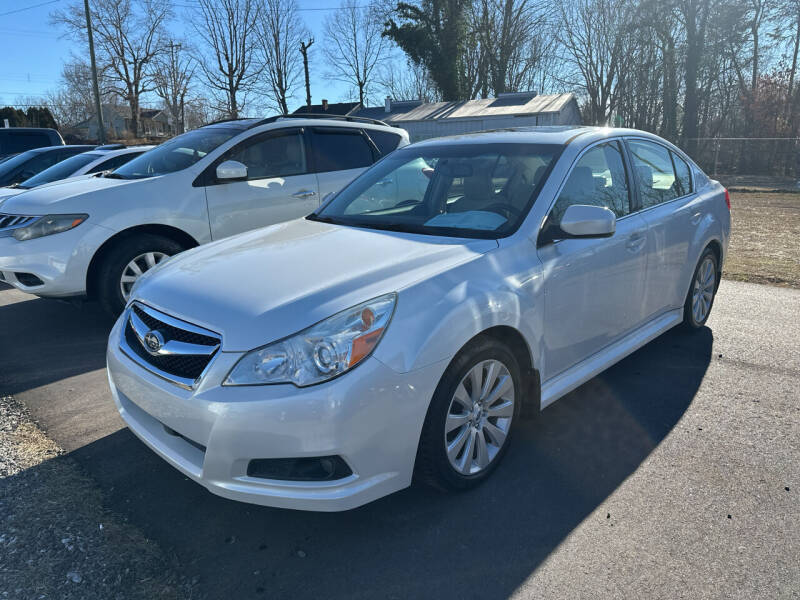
(674, 474)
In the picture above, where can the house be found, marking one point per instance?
(519, 109)
(153, 122)
(328, 108)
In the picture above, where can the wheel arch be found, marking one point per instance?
(177, 235)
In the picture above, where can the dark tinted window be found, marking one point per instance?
(271, 155)
(598, 179)
(682, 174)
(339, 149)
(21, 141)
(385, 141)
(113, 163)
(655, 175)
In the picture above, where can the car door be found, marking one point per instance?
(671, 211)
(278, 187)
(593, 287)
(340, 154)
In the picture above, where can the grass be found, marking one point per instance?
(765, 238)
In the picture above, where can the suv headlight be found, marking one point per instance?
(321, 352)
(48, 225)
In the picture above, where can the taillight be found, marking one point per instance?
(728, 199)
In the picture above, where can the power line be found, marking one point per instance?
(19, 10)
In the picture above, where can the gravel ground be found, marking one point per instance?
(56, 539)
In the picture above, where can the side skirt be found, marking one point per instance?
(562, 384)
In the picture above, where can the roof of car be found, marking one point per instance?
(49, 148)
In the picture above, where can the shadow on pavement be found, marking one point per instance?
(418, 543)
(43, 341)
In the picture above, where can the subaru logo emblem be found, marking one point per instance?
(153, 341)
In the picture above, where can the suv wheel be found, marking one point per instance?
(125, 263)
(468, 426)
(700, 298)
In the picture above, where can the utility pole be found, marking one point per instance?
(304, 51)
(100, 126)
(177, 111)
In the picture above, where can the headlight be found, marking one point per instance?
(48, 225)
(321, 352)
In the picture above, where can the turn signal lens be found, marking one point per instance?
(728, 199)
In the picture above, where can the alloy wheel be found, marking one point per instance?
(703, 290)
(479, 417)
(136, 268)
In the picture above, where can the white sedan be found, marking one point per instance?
(318, 364)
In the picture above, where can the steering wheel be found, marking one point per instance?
(502, 207)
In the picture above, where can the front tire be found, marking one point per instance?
(700, 299)
(125, 263)
(468, 426)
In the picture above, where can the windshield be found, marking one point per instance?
(176, 154)
(61, 170)
(7, 166)
(476, 190)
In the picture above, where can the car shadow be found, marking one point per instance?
(484, 543)
(45, 340)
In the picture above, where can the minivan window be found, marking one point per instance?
(60, 170)
(598, 179)
(464, 190)
(176, 154)
(655, 174)
(340, 149)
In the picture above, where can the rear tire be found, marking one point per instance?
(479, 417)
(136, 253)
(703, 289)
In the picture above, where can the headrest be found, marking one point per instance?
(645, 175)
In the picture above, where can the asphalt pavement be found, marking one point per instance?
(675, 474)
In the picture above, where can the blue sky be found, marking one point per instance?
(32, 50)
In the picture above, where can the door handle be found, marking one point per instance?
(304, 194)
(696, 218)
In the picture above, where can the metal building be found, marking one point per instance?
(519, 109)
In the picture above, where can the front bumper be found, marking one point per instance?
(371, 417)
(60, 261)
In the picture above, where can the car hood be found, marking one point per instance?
(261, 286)
(58, 196)
(7, 192)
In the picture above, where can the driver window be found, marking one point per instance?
(598, 179)
(271, 156)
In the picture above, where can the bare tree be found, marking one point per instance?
(407, 82)
(280, 33)
(228, 29)
(304, 47)
(128, 36)
(594, 37)
(355, 45)
(173, 75)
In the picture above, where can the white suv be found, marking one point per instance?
(96, 236)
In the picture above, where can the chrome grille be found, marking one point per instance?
(10, 222)
(168, 347)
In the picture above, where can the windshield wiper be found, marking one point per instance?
(113, 176)
(321, 219)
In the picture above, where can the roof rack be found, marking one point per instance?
(111, 147)
(319, 116)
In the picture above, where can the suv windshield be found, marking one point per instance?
(474, 190)
(60, 170)
(176, 154)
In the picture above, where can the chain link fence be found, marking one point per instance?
(749, 156)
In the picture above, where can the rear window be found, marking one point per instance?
(385, 141)
(20, 141)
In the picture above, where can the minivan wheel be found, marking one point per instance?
(700, 298)
(125, 263)
(468, 426)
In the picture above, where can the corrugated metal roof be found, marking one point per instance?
(511, 105)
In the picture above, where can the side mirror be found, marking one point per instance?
(585, 221)
(231, 170)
